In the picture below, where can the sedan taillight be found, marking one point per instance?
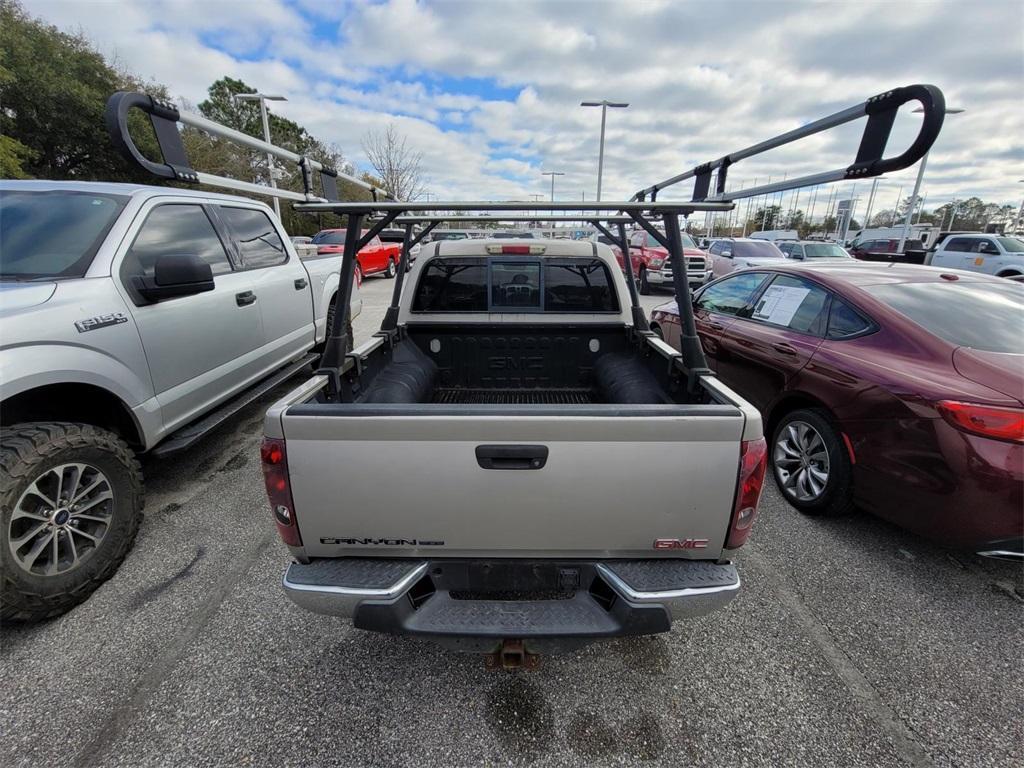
(984, 420)
(753, 462)
(279, 491)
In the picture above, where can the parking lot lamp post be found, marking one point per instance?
(552, 174)
(871, 201)
(263, 98)
(917, 187)
(603, 104)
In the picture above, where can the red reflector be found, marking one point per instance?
(520, 249)
(985, 420)
(753, 461)
(279, 492)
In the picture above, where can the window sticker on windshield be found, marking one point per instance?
(779, 303)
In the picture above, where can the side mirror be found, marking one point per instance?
(174, 275)
(727, 253)
(795, 255)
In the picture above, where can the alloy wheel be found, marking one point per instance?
(801, 461)
(60, 519)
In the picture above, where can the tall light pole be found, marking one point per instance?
(263, 98)
(552, 174)
(603, 104)
(917, 187)
(871, 201)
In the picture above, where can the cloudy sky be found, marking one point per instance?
(490, 92)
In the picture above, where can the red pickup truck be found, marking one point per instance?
(650, 262)
(377, 257)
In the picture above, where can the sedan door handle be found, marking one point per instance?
(245, 298)
(301, 283)
(717, 326)
(785, 349)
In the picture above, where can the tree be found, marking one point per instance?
(397, 166)
(54, 88)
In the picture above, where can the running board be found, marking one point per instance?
(197, 430)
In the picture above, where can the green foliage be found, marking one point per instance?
(13, 156)
(53, 88)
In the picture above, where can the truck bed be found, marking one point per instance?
(597, 450)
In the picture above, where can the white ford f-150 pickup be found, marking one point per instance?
(135, 318)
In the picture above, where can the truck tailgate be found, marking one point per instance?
(396, 482)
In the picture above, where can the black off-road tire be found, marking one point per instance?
(645, 287)
(26, 451)
(837, 498)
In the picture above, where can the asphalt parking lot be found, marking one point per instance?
(852, 643)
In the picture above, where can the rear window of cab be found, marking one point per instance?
(476, 284)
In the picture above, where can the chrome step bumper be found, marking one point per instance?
(457, 598)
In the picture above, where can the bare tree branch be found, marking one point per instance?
(396, 165)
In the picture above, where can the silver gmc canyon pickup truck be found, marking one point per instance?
(514, 462)
(134, 318)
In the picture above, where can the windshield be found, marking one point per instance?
(53, 234)
(1011, 244)
(331, 237)
(824, 251)
(755, 250)
(511, 235)
(687, 240)
(985, 316)
(449, 236)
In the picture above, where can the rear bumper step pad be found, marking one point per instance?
(418, 597)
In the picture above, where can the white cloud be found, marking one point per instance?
(702, 79)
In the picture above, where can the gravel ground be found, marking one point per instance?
(852, 643)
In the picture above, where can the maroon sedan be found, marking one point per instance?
(896, 387)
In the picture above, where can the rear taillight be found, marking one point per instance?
(985, 420)
(279, 491)
(753, 461)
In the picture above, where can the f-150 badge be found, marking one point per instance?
(101, 321)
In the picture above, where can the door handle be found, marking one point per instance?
(301, 283)
(511, 456)
(785, 349)
(245, 298)
(717, 326)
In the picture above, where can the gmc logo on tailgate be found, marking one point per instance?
(680, 543)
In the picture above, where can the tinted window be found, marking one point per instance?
(732, 294)
(843, 321)
(793, 303)
(452, 285)
(750, 250)
(984, 246)
(257, 240)
(716, 249)
(578, 285)
(330, 237)
(515, 285)
(175, 229)
(959, 244)
(1011, 244)
(53, 234)
(981, 315)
